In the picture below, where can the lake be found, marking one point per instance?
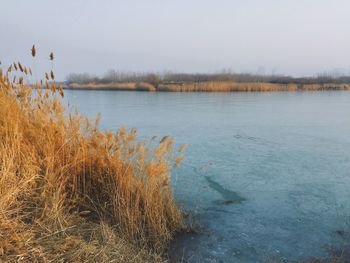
(266, 174)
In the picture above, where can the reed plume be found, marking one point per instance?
(33, 50)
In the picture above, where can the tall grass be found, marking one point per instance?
(247, 87)
(142, 86)
(211, 86)
(71, 192)
(104, 86)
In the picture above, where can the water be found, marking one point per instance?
(266, 173)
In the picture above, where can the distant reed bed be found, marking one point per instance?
(142, 86)
(73, 193)
(210, 86)
(247, 87)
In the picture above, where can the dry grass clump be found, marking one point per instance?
(70, 192)
(144, 86)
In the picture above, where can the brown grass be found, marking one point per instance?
(103, 86)
(70, 192)
(246, 87)
(143, 86)
(210, 86)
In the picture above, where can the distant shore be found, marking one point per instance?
(207, 86)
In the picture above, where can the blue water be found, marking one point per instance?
(267, 174)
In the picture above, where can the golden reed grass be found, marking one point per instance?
(103, 86)
(142, 86)
(211, 86)
(247, 87)
(70, 192)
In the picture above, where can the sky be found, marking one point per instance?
(292, 37)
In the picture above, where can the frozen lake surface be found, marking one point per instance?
(268, 174)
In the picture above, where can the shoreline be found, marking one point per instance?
(207, 86)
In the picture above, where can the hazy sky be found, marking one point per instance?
(296, 37)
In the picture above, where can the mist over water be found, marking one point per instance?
(266, 173)
(293, 37)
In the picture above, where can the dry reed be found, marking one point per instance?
(212, 86)
(247, 87)
(144, 86)
(103, 86)
(70, 192)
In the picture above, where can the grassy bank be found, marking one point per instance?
(142, 86)
(72, 193)
(209, 86)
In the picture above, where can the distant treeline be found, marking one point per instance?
(170, 77)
